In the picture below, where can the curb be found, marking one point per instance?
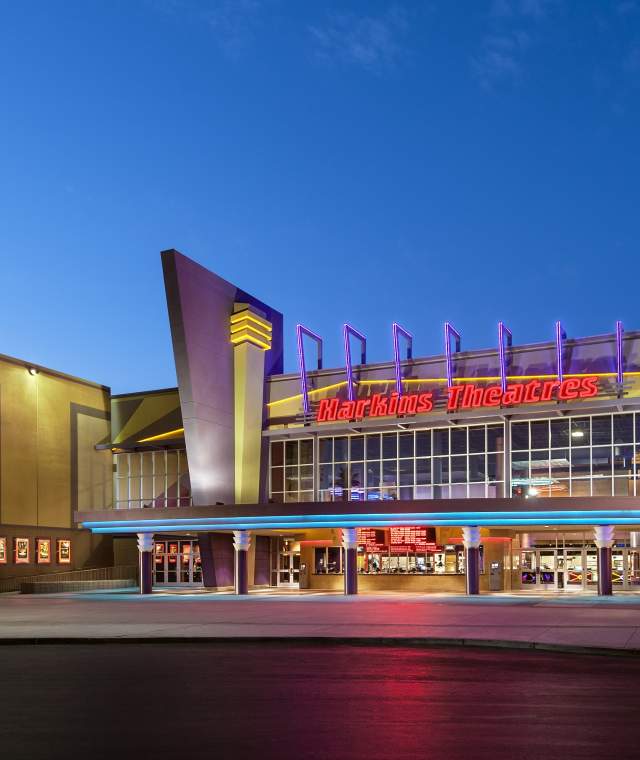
(361, 641)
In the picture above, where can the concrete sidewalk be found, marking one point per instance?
(570, 623)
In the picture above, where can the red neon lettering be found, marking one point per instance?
(454, 396)
(328, 410)
(492, 396)
(347, 410)
(589, 387)
(530, 389)
(467, 396)
(548, 387)
(425, 402)
(569, 389)
(361, 406)
(513, 395)
(393, 403)
(378, 405)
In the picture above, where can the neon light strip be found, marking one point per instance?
(301, 330)
(401, 520)
(502, 331)
(561, 336)
(397, 331)
(249, 338)
(462, 518)
(239, 316)
(619, 353)
(449, 330)
(444, 380)
(162, 436)
(348, 331)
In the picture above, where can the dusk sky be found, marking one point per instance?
(343, 161)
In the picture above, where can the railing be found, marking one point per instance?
(119, 572)
(158, 502)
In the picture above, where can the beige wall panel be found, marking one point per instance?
(18, 441)
(36, 450)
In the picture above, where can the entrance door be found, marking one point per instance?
(177, 563)
(289, 569)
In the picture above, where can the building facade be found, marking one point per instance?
(506, 469)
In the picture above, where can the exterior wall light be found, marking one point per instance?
(33, 371)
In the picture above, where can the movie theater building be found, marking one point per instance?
(510, 468)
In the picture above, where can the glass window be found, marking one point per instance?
(340, 449)
(477, 468)
(291, 479)
(440, 470)
(459, 440)
(373, 474)
(423, 472)
(441, 441)
(623, 428)
(277, 453)
(423, 443)
(559, 463)
(357, 474)
(540, 434)
(495, 438)
(326, 476)
(519, 436)
(389, 446)
(623, 460)
(458, 469)
(580, 431)
(306, 477)
(477, 440)
(405, 470)
(291, 452)
(340, 475)
(600, 460)
(560, 433)
(326, 449)
(306, 451)
(277, 479)
(373, 446)
(580, 462)
(389, 472)
(357, 448)
(600, 430)
(405, 444)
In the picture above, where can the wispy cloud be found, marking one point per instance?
(373, 42)
(233, 23)
(513, 27)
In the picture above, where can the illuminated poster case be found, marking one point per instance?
(21, 554)
(3, 550)
(63, 551)
(43, 551)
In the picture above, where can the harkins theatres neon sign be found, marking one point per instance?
(467, 396)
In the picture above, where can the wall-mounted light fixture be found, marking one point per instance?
(33, 370)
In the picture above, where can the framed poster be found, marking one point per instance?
(21, 551)
(43, 551)
(63, 546)
(3, 550)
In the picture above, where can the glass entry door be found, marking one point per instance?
(289, 568)
(177, 562)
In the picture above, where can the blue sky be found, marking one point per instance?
(362, 161)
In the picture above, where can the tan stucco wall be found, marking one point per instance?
(37, 454)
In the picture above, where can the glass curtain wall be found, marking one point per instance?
(576, 456)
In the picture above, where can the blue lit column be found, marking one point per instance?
(241, 543)
(604, 535)
(145, 553)
(471, 540)
(350, 546)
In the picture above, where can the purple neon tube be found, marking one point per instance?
(301, 331)
(503, 331)
(449, 330)
(397, 332)
(560, 338)
(619, 353)
(348, 331)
